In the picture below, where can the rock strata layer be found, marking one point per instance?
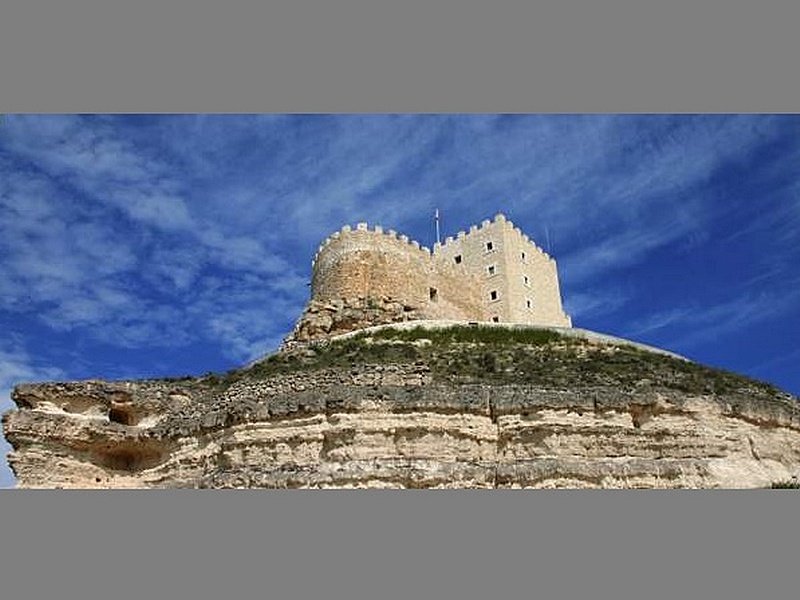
(414, 412)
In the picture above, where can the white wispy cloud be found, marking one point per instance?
(237, 330)
(600, 302)
(80, 265)
(687, 325)
(766, 366)
(623, 248)
(16, 366)
(647, 197)
(666, 318)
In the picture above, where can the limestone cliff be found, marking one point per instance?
(485, 407)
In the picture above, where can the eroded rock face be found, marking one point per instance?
(422, 416)
(321, 320)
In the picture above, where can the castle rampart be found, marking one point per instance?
(494, 272)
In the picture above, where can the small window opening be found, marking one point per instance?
(434, 294)
(528, 303)
(525, 280)
(458, 259)
(523, 256)
(495, 319)
(489, 246)
(491, 269)
(493, 294)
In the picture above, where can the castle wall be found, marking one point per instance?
(460, 295)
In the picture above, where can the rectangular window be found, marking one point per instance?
(523, 256)
(496, 319)
(458, 259)
(491, 269)
(489, 246)
(525, 280)
(434, 294)
(493, 294)
(528, 303)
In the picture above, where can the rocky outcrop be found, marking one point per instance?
(321, 320)
(415, 409)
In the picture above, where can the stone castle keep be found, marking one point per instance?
(493, 273)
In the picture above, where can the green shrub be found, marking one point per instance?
(474, 334)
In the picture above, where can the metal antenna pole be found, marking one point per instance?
(436, 218)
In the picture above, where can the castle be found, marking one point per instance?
(492, 273)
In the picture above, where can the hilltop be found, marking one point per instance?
(417, 405)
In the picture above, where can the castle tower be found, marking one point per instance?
(370, 263)
(519, 281)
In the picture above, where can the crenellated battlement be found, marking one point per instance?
(499, 223)
(361, 234)
(492, 272)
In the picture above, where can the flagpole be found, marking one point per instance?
(436, 217)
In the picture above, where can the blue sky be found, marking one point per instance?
(138, 246)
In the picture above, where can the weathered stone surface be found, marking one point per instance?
(322, 320)
(312, 419)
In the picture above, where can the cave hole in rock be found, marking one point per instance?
(124, 416)
(130, 456)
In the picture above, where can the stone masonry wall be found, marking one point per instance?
(361, 263)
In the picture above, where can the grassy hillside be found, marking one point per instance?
(472, 354)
